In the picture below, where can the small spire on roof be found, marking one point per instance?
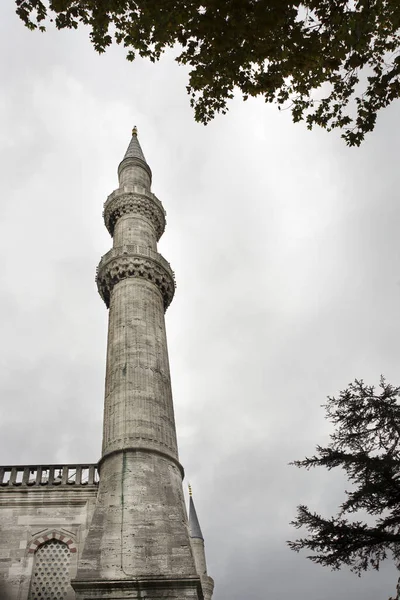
(134, 130)
(194, 525)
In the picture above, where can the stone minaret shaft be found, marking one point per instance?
(138, 285)
(138, 543)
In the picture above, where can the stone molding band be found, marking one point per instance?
(134, 261)
(147, 206)
(146, 450)
(160, 587)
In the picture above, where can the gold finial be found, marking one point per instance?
(134, 130)
(190, 490)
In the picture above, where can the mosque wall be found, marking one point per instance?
(45, 512)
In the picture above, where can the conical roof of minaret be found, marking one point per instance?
(134, 150)
(134, 153)
(194, 525)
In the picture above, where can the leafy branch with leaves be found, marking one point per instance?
(333, 63)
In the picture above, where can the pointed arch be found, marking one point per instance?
(52, 535)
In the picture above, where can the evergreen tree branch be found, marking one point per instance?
(365, 444)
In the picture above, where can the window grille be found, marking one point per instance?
(50, 577)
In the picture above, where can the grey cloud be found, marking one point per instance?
(286, 255)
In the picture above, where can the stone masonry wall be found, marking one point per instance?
(32, 516)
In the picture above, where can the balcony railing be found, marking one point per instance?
(135, 249)
(48, 475)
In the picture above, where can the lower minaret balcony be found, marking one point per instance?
(135, 261)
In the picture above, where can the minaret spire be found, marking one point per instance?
(134, 149)
(197, 541)
(194, 525)
(133, 169)
(138, 544)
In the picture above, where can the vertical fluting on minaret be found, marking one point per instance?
(138, 538)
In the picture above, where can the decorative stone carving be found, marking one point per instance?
(147, 206)
(134, 261)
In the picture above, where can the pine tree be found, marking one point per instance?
(365, 443)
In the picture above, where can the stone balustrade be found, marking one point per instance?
(136, 189)
(48, 475)
(138, 250)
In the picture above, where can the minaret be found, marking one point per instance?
(197, 541)
(138, 543)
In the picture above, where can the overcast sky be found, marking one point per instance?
(285, 246)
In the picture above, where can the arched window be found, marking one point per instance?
(50, 576)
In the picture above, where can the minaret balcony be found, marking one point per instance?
(143, 203)
(135, 261)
